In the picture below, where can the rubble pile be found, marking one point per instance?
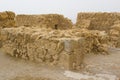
(53, 21)
(97, 42)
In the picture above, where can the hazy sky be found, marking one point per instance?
(69, 8)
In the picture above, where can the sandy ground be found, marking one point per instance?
(104, 64)
(98, 67)
(13, 69)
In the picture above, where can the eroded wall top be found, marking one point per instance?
(97, 21)
(53, 21)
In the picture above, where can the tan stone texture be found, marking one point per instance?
(53, 21)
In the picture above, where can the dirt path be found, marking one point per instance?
(17, 69)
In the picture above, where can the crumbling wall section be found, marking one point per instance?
(97, 21)
(25, 20)
(114, 35)
(53, 21)
(7, 19)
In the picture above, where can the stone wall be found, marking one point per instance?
(114, 35)
(65, 48)
(7, 19)
(97, 21)
(53, 21)
(36, 46)
(50, 39)
(109, 22)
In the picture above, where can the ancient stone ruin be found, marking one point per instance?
(51, 39)
(108, 22)
(97, 21)
(7, 19)
(53, 21)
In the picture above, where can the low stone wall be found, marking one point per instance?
(53, 21)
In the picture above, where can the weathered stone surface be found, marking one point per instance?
(114, 34)
(7, 19)
(50, 38)
(109, 22)
(65, 48)
(97, 21)
(53, 21)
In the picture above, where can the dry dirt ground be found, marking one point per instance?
(98, 67)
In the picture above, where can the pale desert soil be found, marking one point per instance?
(17, 69)
(105, 64)
(98, 67)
